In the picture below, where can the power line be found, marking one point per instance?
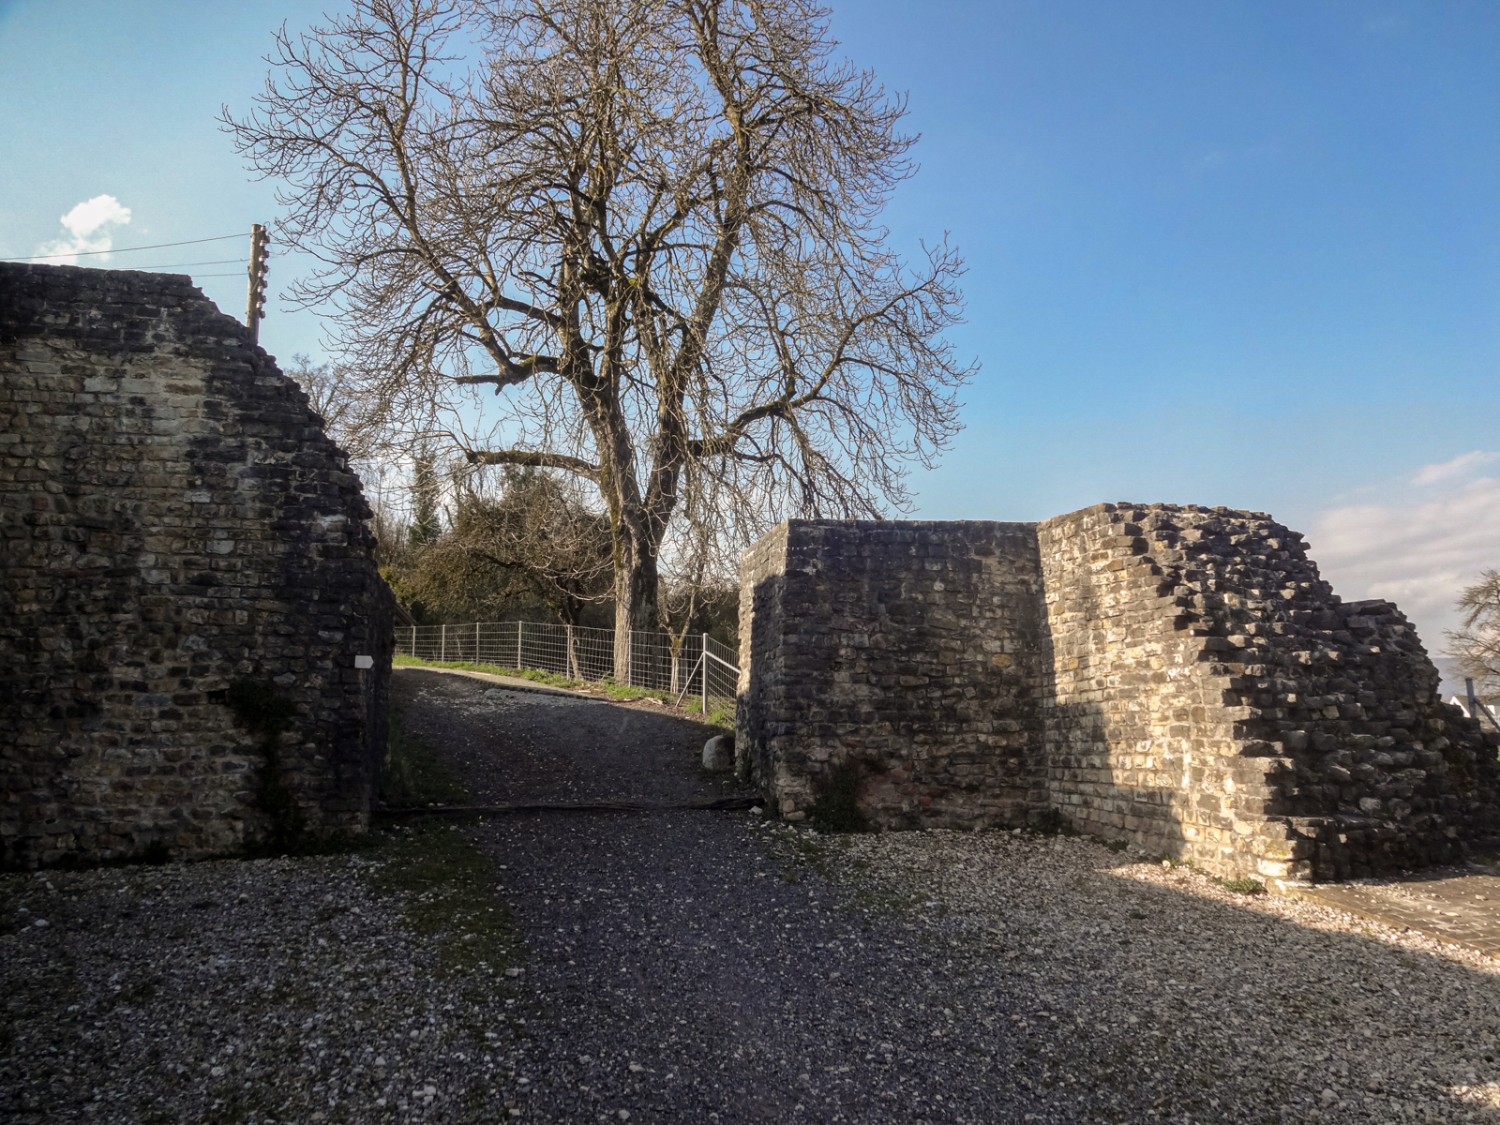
(174, 265)
(195, 276)
(124, 249)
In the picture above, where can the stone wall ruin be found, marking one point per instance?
(186, 583)
(1178, 678)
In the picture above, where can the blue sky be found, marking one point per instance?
(1222, 253)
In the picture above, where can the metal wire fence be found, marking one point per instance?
(698, 667)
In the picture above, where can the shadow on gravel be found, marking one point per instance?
(692, 967)
(1372, 1031)
(1234, 1009)
(513, 746)
(707, 966)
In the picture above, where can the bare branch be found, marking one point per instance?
(1476, 647)
(533, 459)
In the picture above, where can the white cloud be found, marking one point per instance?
(91, 227)
(1462, 465)
(1419, 553)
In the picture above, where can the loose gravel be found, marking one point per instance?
(233, 991)
(709, 966)
(1232, 1007)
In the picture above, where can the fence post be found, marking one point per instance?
(703, 660)
(519, 625)
(414, 640)
(476, 643)
(443, 645)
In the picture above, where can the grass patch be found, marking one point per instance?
(445, 882)
(802, 853)
(1175, 862)
(447, 887)
(623, 692)
(797, 851)
(720, 714)
(535, 675)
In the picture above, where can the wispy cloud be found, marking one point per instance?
(1461, 466)
(1419, 553)
(90, 227)
(1385, 25)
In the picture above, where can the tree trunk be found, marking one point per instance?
(635, 609)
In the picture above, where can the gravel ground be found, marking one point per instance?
(690, 966)
(232, 991)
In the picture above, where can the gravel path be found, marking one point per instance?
(694, 966)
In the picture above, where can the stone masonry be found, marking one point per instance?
(186, 583)
(1178, 678)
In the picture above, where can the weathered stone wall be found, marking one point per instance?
(1214, 698)
(1177, 677)
(185, 582)
(1129, 713)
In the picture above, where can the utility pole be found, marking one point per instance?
(255, 309)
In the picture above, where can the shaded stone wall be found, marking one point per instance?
(1177, 677)
(899, 658)
(1212, 697)
(186, 581)
(764, 717)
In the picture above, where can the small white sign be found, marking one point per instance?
(364, 662)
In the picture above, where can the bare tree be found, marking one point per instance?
(324, 393)
(649, 227)
(338, 398)
(1476, 647)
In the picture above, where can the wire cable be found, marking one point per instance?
(174, 265)
(124, 249)
(194, 276)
